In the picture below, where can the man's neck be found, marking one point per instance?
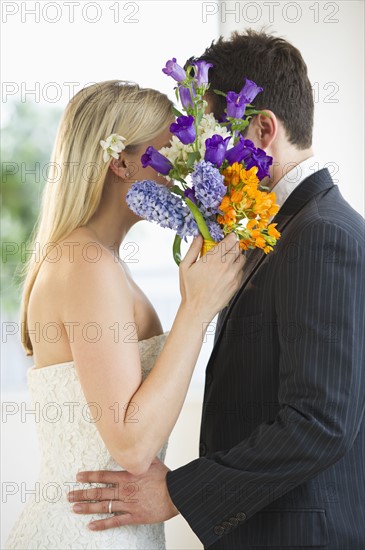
(285, 160)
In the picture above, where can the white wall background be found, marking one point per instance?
(62, 46)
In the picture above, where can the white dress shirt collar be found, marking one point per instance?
(294, 177)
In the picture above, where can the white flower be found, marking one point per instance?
(177, 150)
(112, 146)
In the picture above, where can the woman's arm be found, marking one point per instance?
(135, 419)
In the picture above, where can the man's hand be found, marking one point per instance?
(135, 500)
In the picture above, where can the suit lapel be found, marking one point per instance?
(312, 186)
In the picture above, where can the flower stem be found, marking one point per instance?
(196, 111)
(176, 250)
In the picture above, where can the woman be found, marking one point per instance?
(93, 333)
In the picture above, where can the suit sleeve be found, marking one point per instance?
(320, 294)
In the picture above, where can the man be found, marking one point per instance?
(282, 437)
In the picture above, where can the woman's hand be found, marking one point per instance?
(208, 284)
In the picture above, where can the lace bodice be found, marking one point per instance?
(70, 442)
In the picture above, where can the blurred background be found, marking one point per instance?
(51, 50)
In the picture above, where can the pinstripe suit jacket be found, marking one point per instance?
(282, 437)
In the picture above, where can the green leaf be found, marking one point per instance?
(176, 112)
(175, 189)
(174, 174)
(192, 157)
(189, 69)
(218, 92)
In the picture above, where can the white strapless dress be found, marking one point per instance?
(70, 442)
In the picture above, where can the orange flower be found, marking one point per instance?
(225, 204)
(263, 223)
(260, 208)
(274, 210)
(244, 244)
(256, 233)
(272, 231)
(251, 191)
(249, 177)
(260, 242)
(232, 174)
(251, 224)
(230, 216)
(237, 196)
(263, 205)
(246, 203)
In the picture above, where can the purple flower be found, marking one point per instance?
(222, 118)
(262, 160)
(185, 97)
(184, 129)
(202, 68)
(245, 151)
(188, 227)
(208, 186)
(250, 90)
(174, 70)
(216, 149)
(189, 194)
(242, 151)
(153, 158)
(155, 203)
(215, 230)
(236, 103)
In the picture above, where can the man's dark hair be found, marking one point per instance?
(274, 64)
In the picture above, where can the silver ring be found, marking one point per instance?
(110, 507)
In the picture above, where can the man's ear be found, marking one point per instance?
(119, 167)
(263, 129)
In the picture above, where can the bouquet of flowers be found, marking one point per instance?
(216, 173)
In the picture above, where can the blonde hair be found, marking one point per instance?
(76, 178)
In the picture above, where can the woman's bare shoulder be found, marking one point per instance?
(90, 276)
(83, 282)
(81, 256)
